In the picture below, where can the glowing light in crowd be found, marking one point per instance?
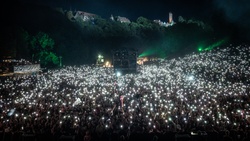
(118, 74)
(190, 78)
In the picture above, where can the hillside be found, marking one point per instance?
(80, 42)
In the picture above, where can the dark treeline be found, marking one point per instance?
(80, 42)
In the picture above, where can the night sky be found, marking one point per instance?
(157, 9)
(234, 10)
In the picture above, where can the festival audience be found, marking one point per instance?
(201, 94)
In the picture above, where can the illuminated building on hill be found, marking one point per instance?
(166, 24)
(170, 18)
(123, 19)
(84, 16)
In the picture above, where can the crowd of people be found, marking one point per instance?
(200, 93)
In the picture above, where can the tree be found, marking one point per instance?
(181, 19)
(42, 46)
